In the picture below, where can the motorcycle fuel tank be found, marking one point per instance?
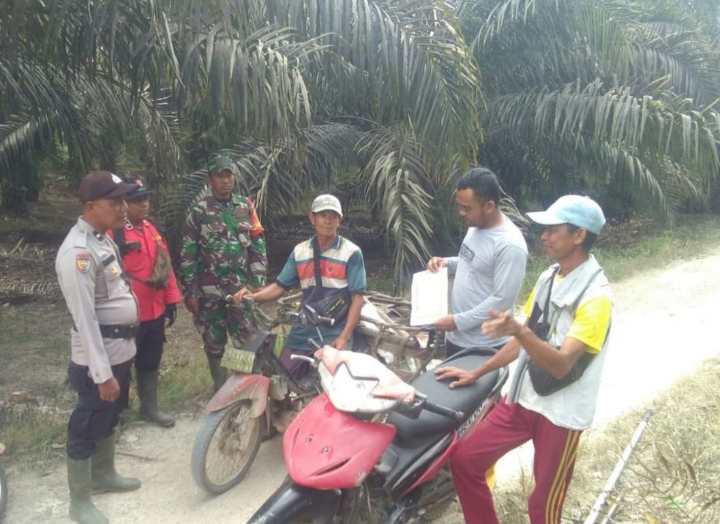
(327, 449)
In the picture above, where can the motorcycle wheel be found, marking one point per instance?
(225, 447)
(3, 491)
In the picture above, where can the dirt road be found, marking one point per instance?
(660, 333)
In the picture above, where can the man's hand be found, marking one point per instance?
(340, 342)
(436, 263)
(170, 314)
(193, 305)
(446, 323)
(109, 390)
(464, 378)
(501, 325)
(244, 292)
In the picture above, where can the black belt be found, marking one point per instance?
(118, 331)
(109, 331)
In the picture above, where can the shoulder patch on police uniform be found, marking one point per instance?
(83, 261)
(80, 238)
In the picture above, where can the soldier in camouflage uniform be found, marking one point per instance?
(223, 251)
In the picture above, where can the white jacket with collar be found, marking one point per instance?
(572, 407)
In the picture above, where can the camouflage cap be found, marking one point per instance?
(220, 163)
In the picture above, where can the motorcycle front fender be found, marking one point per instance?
(242, 386)
(291, 502)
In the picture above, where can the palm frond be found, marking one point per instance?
(394, 62)
(396, 178)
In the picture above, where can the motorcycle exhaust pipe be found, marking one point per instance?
(291, 503)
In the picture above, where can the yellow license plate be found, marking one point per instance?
(238, 360)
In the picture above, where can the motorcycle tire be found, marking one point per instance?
(225, 447)
(3, 492)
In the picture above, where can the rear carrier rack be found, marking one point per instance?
(384, 332)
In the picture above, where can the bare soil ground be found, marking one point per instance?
(659, 334)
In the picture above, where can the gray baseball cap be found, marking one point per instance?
(326, 203)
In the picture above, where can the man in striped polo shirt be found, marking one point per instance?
(342, 270)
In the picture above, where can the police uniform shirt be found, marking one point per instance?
(96, 293)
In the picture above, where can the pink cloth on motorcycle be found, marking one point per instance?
(362, 365)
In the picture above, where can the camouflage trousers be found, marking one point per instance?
(216, 319)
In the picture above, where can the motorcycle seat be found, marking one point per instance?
(466, 399)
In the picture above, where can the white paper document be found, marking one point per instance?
(429, 294)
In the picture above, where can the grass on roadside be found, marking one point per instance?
(673, 475)
(37, 426)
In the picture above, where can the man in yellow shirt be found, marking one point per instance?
(560, 352)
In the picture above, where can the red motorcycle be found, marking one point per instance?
(372, 448)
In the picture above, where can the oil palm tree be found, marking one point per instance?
(62, 86)
(292, 88)
(613, 97)
(383, 89)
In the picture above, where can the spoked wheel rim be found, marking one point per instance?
(233, 445)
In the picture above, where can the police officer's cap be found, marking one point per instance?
(103, 184)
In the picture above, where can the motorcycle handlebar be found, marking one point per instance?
(330, 322)
(246, 302)
(453, 414)
(302, 318)
(305, 358)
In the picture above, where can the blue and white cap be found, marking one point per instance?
(580, 211)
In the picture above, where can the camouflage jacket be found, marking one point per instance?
(223, 248)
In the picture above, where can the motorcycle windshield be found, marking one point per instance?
(359, 383)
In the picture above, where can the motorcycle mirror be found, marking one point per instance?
(311, 314)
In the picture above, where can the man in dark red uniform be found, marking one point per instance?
(147, 264)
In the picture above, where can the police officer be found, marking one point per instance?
(105, 320)
(223, 252)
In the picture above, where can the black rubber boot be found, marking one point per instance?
(218, 373)
(82, 509)
(147, 391)
(104, 476)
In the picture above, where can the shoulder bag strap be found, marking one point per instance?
(316, 266)
(119, 239)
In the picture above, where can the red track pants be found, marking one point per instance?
(506, 427)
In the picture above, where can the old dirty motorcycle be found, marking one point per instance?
(257, 400)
